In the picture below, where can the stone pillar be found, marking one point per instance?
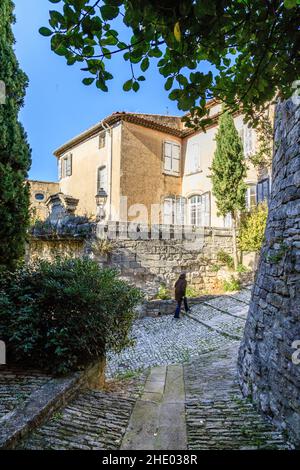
(95, 375)
(266, 371)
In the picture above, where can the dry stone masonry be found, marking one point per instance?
(266, 370)
(147, 263)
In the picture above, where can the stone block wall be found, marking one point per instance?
(151, 263)
(148, 263)
(267, 372)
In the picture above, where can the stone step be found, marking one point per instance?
(158, 418)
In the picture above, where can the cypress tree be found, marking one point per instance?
(15, 155)
(228, 173)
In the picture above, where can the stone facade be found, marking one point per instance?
(153, 168)
(266, 370)
(40, 191)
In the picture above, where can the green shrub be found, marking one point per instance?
(215, 268)
(63, 315)
(232, 285)
(191, 292)
(241, 268)
(225, 258)
(252, 228)
(163, 293)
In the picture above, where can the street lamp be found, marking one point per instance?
(101, 198)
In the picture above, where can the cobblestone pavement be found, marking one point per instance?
(95, 420)
(164, 340)
(217, 415)
(16, 386)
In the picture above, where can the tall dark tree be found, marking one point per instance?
(227, 173)
(14, 150)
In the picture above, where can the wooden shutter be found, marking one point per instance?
(167, 156)
(69, 165)
(175, 158)
(59, 169)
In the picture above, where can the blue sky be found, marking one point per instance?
(58, 106)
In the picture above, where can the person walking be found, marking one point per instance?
(180, 294)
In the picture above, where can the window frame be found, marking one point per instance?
(199, 213)
(39, 193)
(177, 215)
(250, 186)
(65, 166)
(246, 134)
(102, 140)
(101, 168)
(261, 184)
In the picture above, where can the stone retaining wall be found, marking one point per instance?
(146, 262)
(266, 370)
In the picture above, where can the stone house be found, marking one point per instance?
(152, 168)
(40, 191)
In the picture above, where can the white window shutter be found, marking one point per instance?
(168, 210)
(59, 168)
(168, 149)
(196, 158)
(176, 151)
(69, 165)
(171, 156)
(168, 163)
(175, 165)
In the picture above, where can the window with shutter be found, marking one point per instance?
(250, 196)
(69, 165)
(174, 210)
(195, 162)
(172, 152)
(59, 169)
(246, 135)
(199, 210)
(102, 139)
(248, 147)
(227, 220)
(180, 211)
(168, 210)
(102, 178)
(263, 190)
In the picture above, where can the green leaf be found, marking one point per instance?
(109, 12)
(169, 83)
(135, 86)
(88, 81)
(45, 31)
(101, 84)
(127, 85)
(290, 3)
(145, 64)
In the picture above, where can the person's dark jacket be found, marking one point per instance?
(180, 287)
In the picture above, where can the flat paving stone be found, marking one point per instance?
(159, 424)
